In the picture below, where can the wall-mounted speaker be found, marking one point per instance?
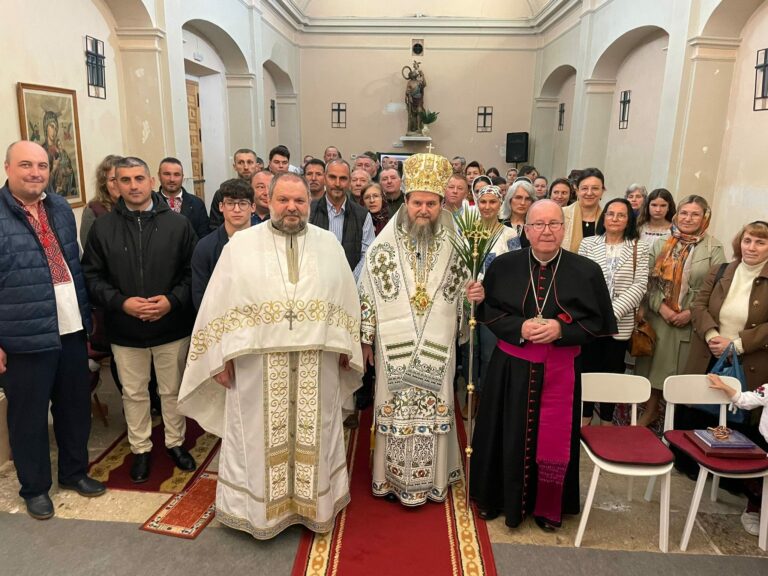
(517, 147)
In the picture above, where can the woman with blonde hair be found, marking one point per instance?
(679, 266)
(105, 198)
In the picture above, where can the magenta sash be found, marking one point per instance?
(553, 445)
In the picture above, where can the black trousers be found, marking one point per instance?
(31, 382)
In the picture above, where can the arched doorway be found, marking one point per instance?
(552, 122)
(281, 103)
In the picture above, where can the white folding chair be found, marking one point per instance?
(694, 389)
(625, 450)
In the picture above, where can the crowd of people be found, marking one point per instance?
(273, 334)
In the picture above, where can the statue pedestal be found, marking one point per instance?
(407, 139)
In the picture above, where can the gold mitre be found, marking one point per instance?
(426, 173)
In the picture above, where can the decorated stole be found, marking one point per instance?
(416, 329)
(292, 428)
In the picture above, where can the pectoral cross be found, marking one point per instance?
(291, 316)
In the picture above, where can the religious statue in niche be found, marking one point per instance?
(414, 97)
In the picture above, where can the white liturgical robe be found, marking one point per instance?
(283, 308)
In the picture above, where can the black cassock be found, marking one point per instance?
(503, 464)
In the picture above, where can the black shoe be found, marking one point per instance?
(86, 486)
(39, 507)
(487, 514)
(545, 525)
(182, 458)
(140, 468)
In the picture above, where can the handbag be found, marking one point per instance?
(728, 365)
(643, 338)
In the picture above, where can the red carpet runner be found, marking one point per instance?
(114, 465)
(375, 537)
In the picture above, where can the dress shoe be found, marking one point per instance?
(39, 507)
(545, 525)
(487, 514)
(140, 468)
(182, 458)
(86, 486)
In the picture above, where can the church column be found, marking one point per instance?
(147, 118)
(700, 130)
(243, 120)
(543, 126)
(596, 105)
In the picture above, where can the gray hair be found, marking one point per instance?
(287, 176)
(460, 159)
(525, 185)
(636, 187)
(339, 161)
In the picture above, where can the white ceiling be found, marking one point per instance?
(402, 9)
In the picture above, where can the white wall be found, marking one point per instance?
(44, 43)
(561, 138)
(630, 151)
(742, 182)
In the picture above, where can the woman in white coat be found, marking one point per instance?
(624, 261)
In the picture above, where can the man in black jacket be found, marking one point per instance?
(137, 267)
(171, 176)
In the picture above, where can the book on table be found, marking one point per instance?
(734, 440)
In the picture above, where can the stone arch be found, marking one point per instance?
(130, 13)
(226, 47)
(612, 57)
(286, 130)
(728, 18)
(555, 80)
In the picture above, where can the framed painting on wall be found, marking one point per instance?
(48, 116)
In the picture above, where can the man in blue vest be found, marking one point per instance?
(44, 316)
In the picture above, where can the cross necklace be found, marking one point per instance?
(290, 315)
(534, 286)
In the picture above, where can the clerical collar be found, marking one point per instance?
(544, 262)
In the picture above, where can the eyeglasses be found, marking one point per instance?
(616, 215)
(371, 197)
(242, 204)
(539, 226)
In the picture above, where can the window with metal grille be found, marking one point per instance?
(761, 81)
(561, 117)
(624, 109)
(339, 115)
(94, 66)
(485, 118)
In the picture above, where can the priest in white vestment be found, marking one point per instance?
(274, 353)
(411, 294)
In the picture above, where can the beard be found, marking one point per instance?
(283, 226)
(421, 233)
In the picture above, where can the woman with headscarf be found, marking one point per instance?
(488, 201)
(679, 266)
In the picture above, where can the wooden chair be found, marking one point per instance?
(625, 450)
(694, 389)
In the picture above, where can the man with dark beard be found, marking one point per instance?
(411, 294)
(269, 368)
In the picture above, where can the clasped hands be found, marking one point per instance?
(676, 319)
(541, 331)
(147, 309)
